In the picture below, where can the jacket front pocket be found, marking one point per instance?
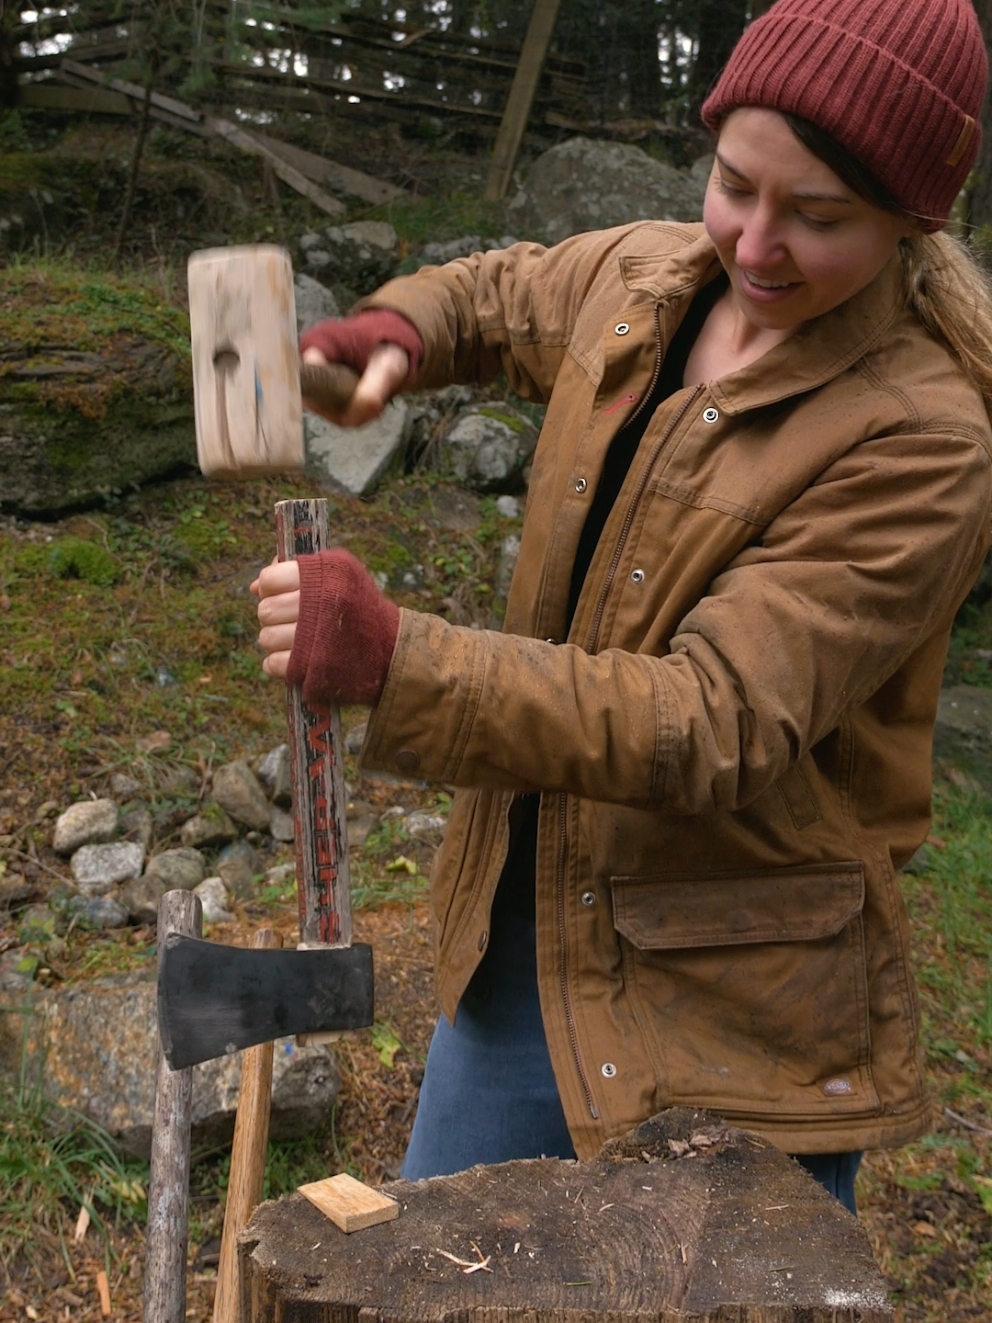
(750, 988)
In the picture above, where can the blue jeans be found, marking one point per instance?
(489, 1093)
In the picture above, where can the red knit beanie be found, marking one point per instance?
(899, 83)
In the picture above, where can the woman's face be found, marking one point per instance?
(795, 240)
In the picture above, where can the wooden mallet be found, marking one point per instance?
(247, 375)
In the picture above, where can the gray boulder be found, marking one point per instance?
(97, 912)
(962, 737)
(274, 773)
(90, 822)
(94, 1048)
(237, 790)
(314, 302)
(238, 864)
(584, 184)
(213, 900)
(141, 896)
(353, 459)
(211, 826)
(99, 868)
(488, 446)
(182, 869)
(360, 255)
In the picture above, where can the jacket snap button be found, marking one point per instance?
(483, 939)
(710, 415)
(588, 898)
(608, 1070)
(580, 485)
(622, 328)
(637, 576)
(407, 760)
(837, 1087)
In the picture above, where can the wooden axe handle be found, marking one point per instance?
(322, 874)
(327, 385)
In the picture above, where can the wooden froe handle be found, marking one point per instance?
(329, 386)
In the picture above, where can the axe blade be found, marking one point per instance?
(215, 999)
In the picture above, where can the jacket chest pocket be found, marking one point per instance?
(751, 988)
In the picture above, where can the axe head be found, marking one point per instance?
(214, 999)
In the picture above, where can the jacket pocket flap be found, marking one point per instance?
(673, 912)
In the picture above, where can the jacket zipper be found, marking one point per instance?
(618, 550)
(597, 622)
(573, 1037)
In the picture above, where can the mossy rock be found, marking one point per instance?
(95, 388)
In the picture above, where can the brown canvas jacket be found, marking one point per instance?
(734, 740)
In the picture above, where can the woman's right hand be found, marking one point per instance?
(381, 345)
(387, 369)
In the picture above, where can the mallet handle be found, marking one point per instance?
(322, 874)
(328, 385)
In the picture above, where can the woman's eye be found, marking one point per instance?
(816, 222)
(729, 189)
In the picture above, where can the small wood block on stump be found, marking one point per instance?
(349, 1204)
(683, 1220)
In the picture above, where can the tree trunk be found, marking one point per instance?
(721, 22)
(139, 147)
(684, 1220)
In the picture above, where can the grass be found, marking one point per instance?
(928, 1206)
(53, 1163)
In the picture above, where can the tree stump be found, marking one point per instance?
(684, 1220)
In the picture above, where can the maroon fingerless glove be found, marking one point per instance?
(351, 340)
(345, 634)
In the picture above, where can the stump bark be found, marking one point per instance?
(684, 1220)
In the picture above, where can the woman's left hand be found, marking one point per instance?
(278, 590)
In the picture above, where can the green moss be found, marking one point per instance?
(509, 420)
(69, 558)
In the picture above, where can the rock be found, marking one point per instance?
(96, 912)
(238, 865)
(123, 786)
(508, 553)
(135, 824)
(16, 973)
(274, 774)
(102, 1044)
(213, 899)
(178, 870)
(584, 184)
(38, 926)
(177, 779)
(110, 408)
(97, 868)
(281, 825)
(353, 459)
(962, 736)
(280, 875)
(90, 822)
(14, 887)
(488, 447)
(314, 302)
(140, 898)
(360, 829)
(237, 790)
(360, 255)
(508, 507)
(211, 826)
(424, 826)
(439, 253)
(355, 738)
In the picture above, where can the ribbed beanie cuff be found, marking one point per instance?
(899, 83)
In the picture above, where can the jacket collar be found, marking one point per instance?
(819, 351)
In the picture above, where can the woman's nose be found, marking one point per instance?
(758, 243)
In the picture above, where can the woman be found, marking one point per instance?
(696, 757)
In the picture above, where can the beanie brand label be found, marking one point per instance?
(964, 138)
